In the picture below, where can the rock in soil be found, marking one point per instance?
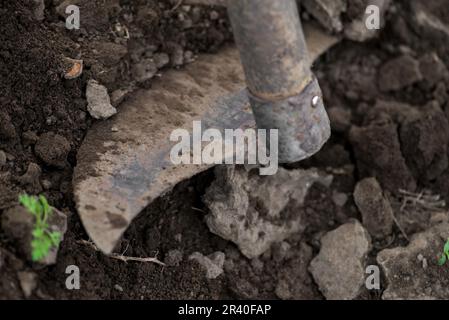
(399, 73)
(408, 276)
(213, 263)
(377, 214)
(254, 211)
(53, 149)
(99, 104)
(28, 282)
(339, 268)
(18, 224)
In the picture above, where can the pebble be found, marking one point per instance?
(99, 104)
(2, 158)
(28, 282)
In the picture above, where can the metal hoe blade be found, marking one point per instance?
(124, 163)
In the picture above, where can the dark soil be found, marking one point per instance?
(399, 136)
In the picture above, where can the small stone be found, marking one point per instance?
(173, 258)
(28, 282)
(118, 288)
(339, 268)
(189, 56)
(340, 198)
(46, 184)
(114, 129)
(53, 149)
(161, 60)
(2, 158)
(98, 101)
(177, 56)
(213, 15)
(212, 263)
(377, 214)
(399, 73)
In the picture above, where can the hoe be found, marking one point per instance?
(124, 163)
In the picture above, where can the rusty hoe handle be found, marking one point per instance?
(283, 91)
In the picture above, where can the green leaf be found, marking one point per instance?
(55, 238)
(446, 247)
(37, 233)
(43, 240)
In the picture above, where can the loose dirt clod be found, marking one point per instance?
(377, 214)
(406, 277)
(399, 73)
(378, 153)
(295, 281)
(53, 149)
(254, 212)
(213, 263)
(339, 268)
(31, 179)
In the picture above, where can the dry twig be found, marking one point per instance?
(121, 257)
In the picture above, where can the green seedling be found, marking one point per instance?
(445, 254)
(43, 238)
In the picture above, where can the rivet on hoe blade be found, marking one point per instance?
(124, 163)
(282, 90)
